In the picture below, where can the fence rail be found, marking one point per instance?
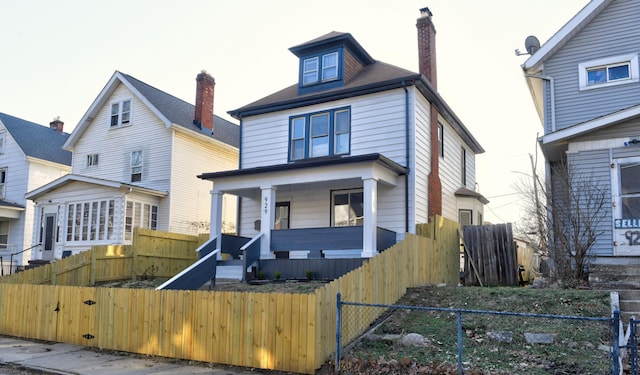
(153, 254)
(278, 331)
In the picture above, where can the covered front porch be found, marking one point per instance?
(317, 209)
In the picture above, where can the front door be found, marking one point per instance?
(49, 239)
(626, 189)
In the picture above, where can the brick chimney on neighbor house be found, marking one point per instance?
(56, 124)
(203, 117)
(427, 65)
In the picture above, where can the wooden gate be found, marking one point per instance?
(490, 255)
(52, 313)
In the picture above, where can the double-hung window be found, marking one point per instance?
(320, 68)
(136, 166)
(121, 113)
(92, 160)
(3, 182)
(320, 134)
(608, 71)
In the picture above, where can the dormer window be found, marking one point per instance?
(320, 68)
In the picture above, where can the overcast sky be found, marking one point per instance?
(56, 56)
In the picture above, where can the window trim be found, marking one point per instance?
(609, 62)
(92, 160)
(139, 214)
(134, 167)
(3, 182)
(333, 205)
(441, 140)
(90, 220)
(307, 136)
(465, 211)
(119, 122)
(320, 69)
(3, 141)
(463, 166)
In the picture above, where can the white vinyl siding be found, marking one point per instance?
(612, 33)
(377, 125)
(116, 145)
(190, 199)
(421, 161)
(451, 171)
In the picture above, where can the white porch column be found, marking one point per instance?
(267, 218)
(369, 244)
(216, 219)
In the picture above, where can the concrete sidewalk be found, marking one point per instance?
(67, 359)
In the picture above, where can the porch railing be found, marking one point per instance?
(327, 238)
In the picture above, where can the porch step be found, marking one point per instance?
(229, 269)
(615, 276)
(629, 304)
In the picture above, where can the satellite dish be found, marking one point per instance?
(532, 44)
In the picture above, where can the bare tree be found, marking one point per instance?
(565, 215)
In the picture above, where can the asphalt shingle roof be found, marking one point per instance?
(36, 140)
(182, 113)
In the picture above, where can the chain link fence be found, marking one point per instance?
(522, 343)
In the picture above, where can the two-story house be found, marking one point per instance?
(585, 84)
(31, 155)
(136, 153)
(352, 156)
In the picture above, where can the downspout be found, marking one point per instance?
(239, 203)
(552, 97)
(406, 182)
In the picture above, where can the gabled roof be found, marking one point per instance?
(70, 178)
(561, 37)
(171, 110)
(37, 141)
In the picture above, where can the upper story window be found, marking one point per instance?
(440, 140)
(320, 68)
(320, 134)
(136, 166)
(608, 72)
(3, 137)
(121, 113)
(92, 160)
(463, 166)
(3, 182)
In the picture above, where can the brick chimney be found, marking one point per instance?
(427, 66)
(427, 46)
(56, 124)
(203, 117)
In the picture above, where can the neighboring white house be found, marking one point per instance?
(351, 157)
(30, 155)
(136, 154)
(585, 85)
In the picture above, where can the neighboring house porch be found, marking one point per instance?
(79, 212)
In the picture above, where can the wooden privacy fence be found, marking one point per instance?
(490, 255)
(279, 331)
(152, 254)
